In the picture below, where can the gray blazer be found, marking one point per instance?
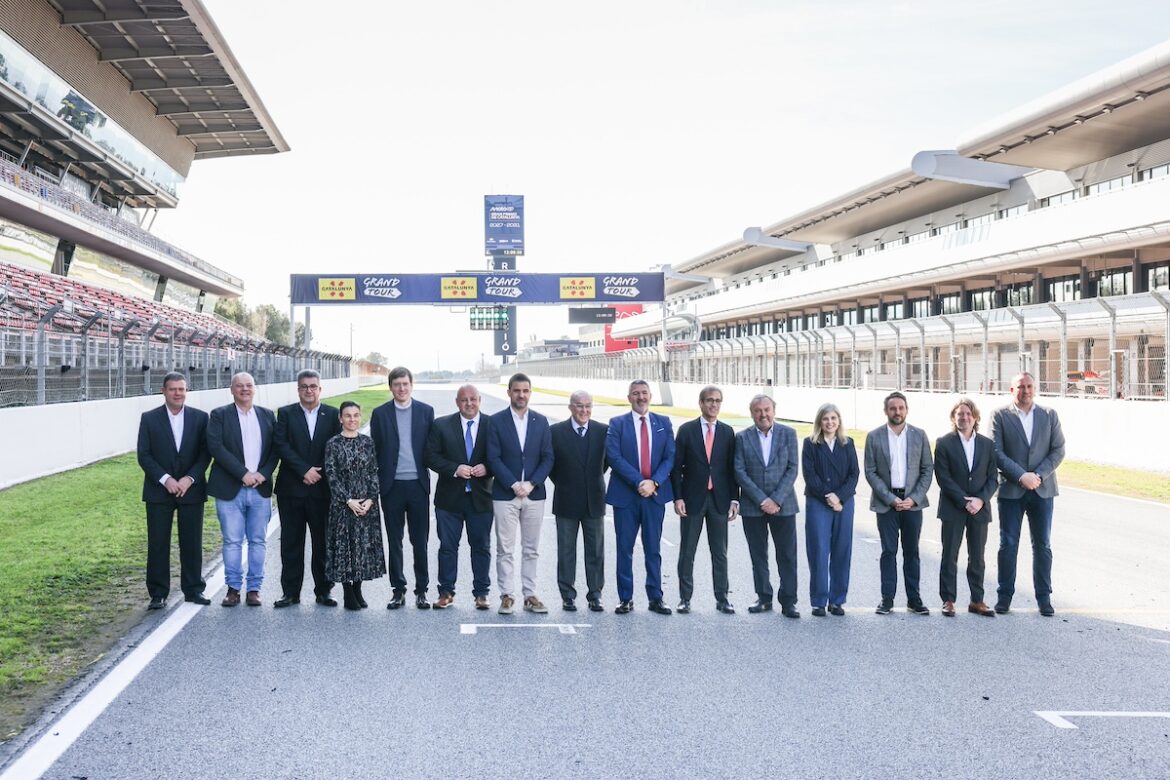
(775, 481)
(919, 468)
(1015, 458)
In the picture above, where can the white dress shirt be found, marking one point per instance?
(969, 449)
(474, 427)
(638, 434)
(176, 421)
(521, 423)
(765, 444)
(1026, 421)
(897, 457)
(311, 419)
(250, 433)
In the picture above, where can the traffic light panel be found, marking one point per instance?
(490, 317)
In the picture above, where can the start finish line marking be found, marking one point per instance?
(1059, 718)
(563, 628)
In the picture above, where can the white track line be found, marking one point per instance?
(563, 628)
(1057, 717)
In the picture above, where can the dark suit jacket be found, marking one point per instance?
(446, 451)
(578, 470)
(298, 453)
(776, 481)
(225, 442)
(828, 472)
(621, 450)
(956, 481)
(507, 459)
(157, 455)
(1015, 458)
(919, 468)
(692, 471)
(384, 432)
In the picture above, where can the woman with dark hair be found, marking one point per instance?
(353, 541)
(829, 464)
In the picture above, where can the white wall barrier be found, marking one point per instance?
(1133, 434)
(42, 440)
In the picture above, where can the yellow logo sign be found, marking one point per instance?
(458, 288)
(578, 287)
(336, 289)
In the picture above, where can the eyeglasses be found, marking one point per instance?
(712, 400)
(581, 406)
(314, 388)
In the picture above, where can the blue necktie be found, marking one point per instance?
(470, 445)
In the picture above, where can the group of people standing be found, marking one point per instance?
(341, 486)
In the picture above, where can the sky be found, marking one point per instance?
(639, 132)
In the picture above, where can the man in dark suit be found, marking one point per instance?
(172, 451)
(898, 468)
(705, 491)
(765, 468)
(302, 492)
(579, 499)
(1029, 445)
(640, 449)
(520, 457)
(399, 429)
(964, 465)
(240, 439)
(457, 452)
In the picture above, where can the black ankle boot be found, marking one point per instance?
(351, 601)
(357, 594)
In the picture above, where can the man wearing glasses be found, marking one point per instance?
(302, 493)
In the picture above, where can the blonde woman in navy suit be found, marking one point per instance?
(829, 463)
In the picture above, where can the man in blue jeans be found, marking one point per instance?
(239, 438)
(1029, 445)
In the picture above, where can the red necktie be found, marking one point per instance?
(710, 440)
(645, 453)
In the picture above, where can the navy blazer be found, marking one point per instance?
(225, 442)
(776, 481)
(157, 455)
(621, 449)
(384, 432)
(579, 470)
(299, 453)
(826, 471)
(446, 451)
(692, 471)
(956, 481)
(508, 459)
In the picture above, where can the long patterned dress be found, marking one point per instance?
(353, 545)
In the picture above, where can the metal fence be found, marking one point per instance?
(1097, 348)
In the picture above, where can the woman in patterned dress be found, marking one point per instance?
(353, 540)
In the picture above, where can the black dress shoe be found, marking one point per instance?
(197, 598)
(327, 601)
(819, 612)
(397, 600)
(760, 606)
(421, 602)
(836, 609)
(726, 607)
(286, 601)
(657, 606)
(1046, 609)
(684, 607)
(595, 605)
(568, 606)
(1002, 607)
(624, 607)
(158, 602)
(789, 612)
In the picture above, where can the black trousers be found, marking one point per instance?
(783, 528)
(159, 518)
(594, 533)
(296, 515)
(692, 528)
(952, 539)
(406, 507)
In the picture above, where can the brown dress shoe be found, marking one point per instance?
(445, 600)
(481, 602)
(948, 608)
(253, 598)
(979, 608)
(232, 598)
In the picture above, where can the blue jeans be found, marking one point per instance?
(245, 516)
(828, 538)
(908, 524)
(1011, 520)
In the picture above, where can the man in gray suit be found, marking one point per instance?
(898, 468)
(765, 468)
(1029, 445)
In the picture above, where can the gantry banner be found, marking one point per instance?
(479, 287)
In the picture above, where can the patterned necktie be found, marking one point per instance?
(469, 444)
(645, 450)
(581, 431)
(709, 440)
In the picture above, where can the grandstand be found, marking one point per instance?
(104, 106)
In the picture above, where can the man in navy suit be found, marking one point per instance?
(765, 468)
(705, 491)
(640, 451)
(1029, 445)
(302, 492)
(399, 429)
(239, 438)
(520, 457)
(172, 451)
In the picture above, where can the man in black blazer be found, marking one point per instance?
(705, 491)
(399, 429)
(578, 474)
(240, 438)
(172, 451)
(456, 451)
(302, 492)
(964, 466)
